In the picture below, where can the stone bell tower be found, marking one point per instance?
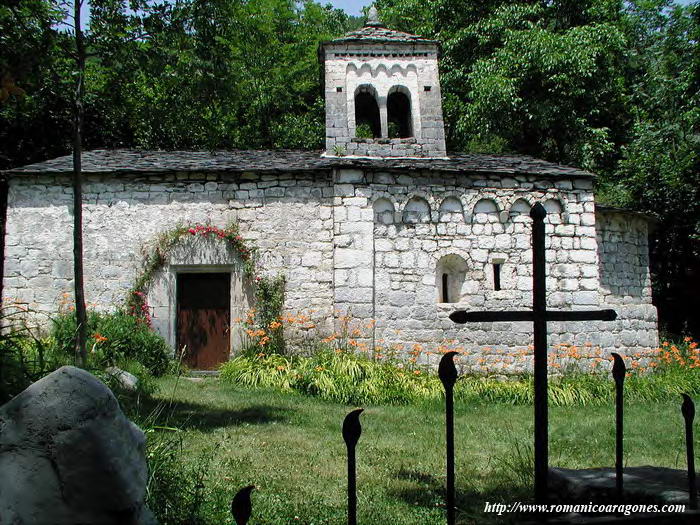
(382, 91)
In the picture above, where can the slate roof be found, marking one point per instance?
(380, 34)
(125, 161)
(605, 208)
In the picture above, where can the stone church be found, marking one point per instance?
(386, 226)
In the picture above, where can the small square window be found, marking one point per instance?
(427, 88)
(339, 90)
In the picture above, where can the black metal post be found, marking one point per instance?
(619, 370)
(539, 309)
(241, 506)
(688, 411)
(448, 375)
(351, 434)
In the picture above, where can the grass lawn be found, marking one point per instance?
(290, 447)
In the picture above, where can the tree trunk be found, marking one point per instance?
(4, 189)
(80, 311)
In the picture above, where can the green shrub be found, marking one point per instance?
(114, 338)
(145, 387)
(25, 359)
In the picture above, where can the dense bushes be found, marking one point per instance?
(116, 337)
(24, 358)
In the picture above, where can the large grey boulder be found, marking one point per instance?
(68, 455)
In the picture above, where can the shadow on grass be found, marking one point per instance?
(429, 491)
(194, 416)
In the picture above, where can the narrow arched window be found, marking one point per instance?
(398, 108)
(451, 272)
(367, 122)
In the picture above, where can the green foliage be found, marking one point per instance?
(394, 130)
(660, 168)
(539, 78)
(269, 301)
(364, 131)
(114, 338)
(24, 358)
(175, 487)
(145, 387)
(358, 380)
(35, 121)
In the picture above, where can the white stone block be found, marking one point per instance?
(311, 259)
(585, 298)
(349, 258)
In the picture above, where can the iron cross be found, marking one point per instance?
(539, 315)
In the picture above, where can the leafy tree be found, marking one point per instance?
(542, 78)
(660, 169)
(212, 75)
(34, 98)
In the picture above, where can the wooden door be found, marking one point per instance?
(204, 318)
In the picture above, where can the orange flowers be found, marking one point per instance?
(99, 337)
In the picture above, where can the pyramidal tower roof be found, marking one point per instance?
(375, 31)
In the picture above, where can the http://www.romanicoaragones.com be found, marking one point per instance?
(586, 508)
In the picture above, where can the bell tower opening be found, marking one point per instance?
(398, 106)
(367, 121)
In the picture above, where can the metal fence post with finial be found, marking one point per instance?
(688, 411)
(618, 372)
(351, 434)
(241, 506)
(448, 375)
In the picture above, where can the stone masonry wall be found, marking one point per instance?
(625, 281)
(427, 224)
(288, 216)
(377, 246)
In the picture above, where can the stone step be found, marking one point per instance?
(203, 373)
